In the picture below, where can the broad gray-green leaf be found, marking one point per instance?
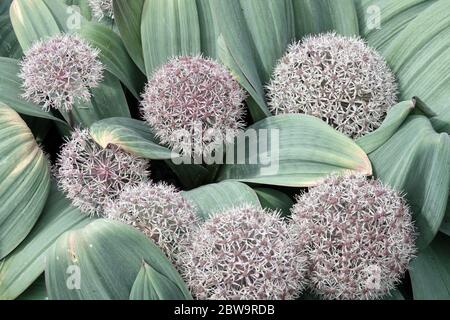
(10, 46)
(430, 271)
(208, 28)
(103, 260)
(169, 28)
(24, 180)
(312, 16)
(11, 91)
(24, 265)
(275, 200)
(293, 150)
(114, 56)
(394, 119)
(272, 28)
(382, 21)
(214, 198)
(445, 227)
(152, 285)
(32, 20)
(415, 161)
(131, 135)
(237, 51)
(128, 17)
(423, 66)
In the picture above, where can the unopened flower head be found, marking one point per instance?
(335, 78)
(359, 237)
(192, 93)
(101, 9)
(245, 253)
(58, 72)
(92, 176)
(159, 211)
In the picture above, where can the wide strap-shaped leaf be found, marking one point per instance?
(11, 91)
(237, 51)
(293, 150)
(24, 180)
(312, 16)
(131, 135)
(430, 271)
(32, 20)
(152, 285)
(415, 161)
(169, 28)
(10, 46)
(128, 17)
(209, 30)
(275, 200)
(114, 55)
(381, 21)
(394, 119)
(24, 265)
(272, 28)
(445, 227)
(101, 261)
(422, 66)
(213, 198)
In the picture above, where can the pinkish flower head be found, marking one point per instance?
(58, 72)
(335, 78)
(359, 237)
(92, 176)
(157, 210)
(189, 95)
(244, 253)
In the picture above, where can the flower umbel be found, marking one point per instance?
(244, 253)
(338, 79)
(58, 72)
(92, 176)
(102, 8)
(359, 234)
(157, 210)
(190, 93)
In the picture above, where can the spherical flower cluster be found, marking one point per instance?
(101, 8)
(92, 176)
(58, 73)
(159, 211)
(244, 253)
(194, 98)
(335, 78)
(359, 237)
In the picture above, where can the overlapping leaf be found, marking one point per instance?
(24, 180)
(24, 265)
(102, 261)
(293, 150)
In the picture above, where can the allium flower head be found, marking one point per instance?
(359, 234)
(101, 8)
(338, 79)
(244, 253)
(157, 210)
(58, 73)
(190, 95)
(92, 176)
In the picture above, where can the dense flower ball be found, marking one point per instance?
(191, 95)
(102, 8)
(58, 73)
(335, 78)
(159, 211)
(244, 253)
(359, 234)
(92, 176)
